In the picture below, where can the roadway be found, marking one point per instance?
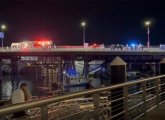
(81, 49)
(127, 54)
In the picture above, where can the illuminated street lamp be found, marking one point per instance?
(83, 24)
(148, 23)
(3, 27)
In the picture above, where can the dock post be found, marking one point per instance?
(118, 75)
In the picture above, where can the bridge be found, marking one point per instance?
(82, 51)
(128, 100)
(152, 54)
(138, 100)
(61, 58)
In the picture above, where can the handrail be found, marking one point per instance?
(41, 102)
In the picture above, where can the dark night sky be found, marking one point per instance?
(109, 21)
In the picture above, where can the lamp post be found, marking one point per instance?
(148, 23)
(83, 24)
(3, 27)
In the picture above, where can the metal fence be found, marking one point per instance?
(82, 48)
(128, 100)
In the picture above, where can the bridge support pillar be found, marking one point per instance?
(14, 72)
(162, 72)
(60, 71)
(47, 75)
(153, 68)
(118, 75)
(86, 70)
(43, 75)
(36, 82)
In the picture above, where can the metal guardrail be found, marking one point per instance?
(82, 49)
(128, 100)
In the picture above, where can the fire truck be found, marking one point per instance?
(32, 44)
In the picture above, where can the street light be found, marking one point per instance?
(148, 23)
(3, 27)
(83, 24)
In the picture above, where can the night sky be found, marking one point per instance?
(108, 21)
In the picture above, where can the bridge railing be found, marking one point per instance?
(128, 100)
(82, 48)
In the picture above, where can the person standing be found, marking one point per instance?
(27, 94)
(18, 96)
